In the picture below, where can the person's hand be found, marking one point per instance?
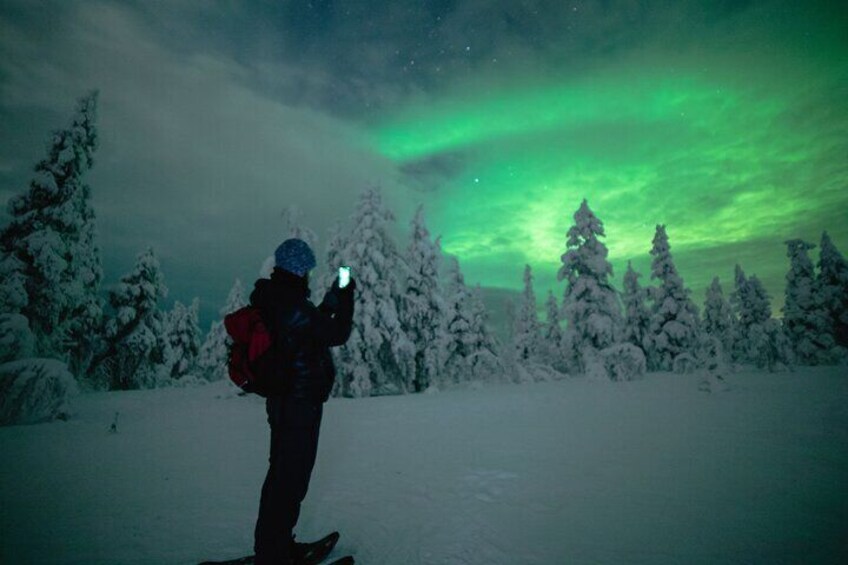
(351, 285)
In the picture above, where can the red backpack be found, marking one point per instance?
(251, 363)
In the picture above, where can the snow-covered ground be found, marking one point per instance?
(577, 471)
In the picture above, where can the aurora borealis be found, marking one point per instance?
(734, 152)
(724, 120)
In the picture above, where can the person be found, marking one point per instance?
(302, 335)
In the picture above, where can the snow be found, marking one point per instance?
(573, 471)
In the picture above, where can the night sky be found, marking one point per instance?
(725, 120)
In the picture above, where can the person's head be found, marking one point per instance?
(294, 256)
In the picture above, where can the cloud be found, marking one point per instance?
(193, 159)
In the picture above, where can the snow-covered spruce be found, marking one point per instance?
(623, 362)
(35, 390)
(469, 350)
(674, 317)
(180, 339)
(757, 338)
(422, 309)
(805, 313)
(590, 303)
(130, 358)
(713, 360)
(378, 356)
(213, 355)
(49, 256)
(833, 285)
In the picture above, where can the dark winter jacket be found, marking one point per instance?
(303, 333)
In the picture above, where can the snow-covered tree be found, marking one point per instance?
(718, 318)
(526, 330)
(805, 314)
(133, 331)
(621, 362)
(833, 285)
(468, 349)
(35, 390)
(758, 338)
(213, 355)
(378, 358)
(422, 306)
(590, 303)
(552, 334)
(48, 252)
(181, 337)
(637, 319)
(674, 317)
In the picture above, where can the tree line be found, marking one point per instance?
(417, 325)
(621, 334)
(413, 329)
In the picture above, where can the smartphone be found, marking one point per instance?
(344, 276)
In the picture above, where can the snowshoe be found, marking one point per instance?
(246, 560)
(311, 553)
(316, 551)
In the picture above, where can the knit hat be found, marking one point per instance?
(295, 256)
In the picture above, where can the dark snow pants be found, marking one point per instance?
(295, 424)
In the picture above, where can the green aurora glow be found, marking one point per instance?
(734, 161)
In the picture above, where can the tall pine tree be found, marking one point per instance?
(758, 338)
(674, 317)
(182, 336)
(833, 284)
(49, 256)
(590, 303)
(422, 306)
(133, 331)
(378, 356)
(805, 314)
(469, 350)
